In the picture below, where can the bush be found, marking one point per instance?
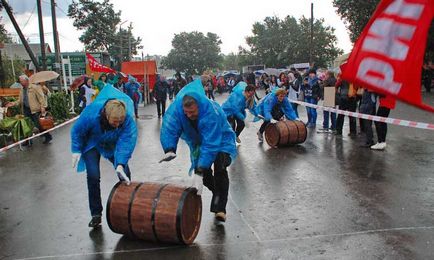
(59, 104)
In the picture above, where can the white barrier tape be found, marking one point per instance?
(387, 120)
(4, 149)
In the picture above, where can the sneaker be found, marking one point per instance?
(95, 221)
(260, 137)
(238, 140)
(47, 140)
(379, 146)
(220, 216)
(332, 131)
(323, 130)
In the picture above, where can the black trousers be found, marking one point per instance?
(237, 125)
(161, 107)
(381, 127)
(276, 113)
(218, 183)
(367, 125)
(210, 94)
(35, 119)
(349, 104)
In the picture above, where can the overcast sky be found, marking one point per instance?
(157, 21)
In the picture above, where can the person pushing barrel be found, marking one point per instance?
(202, 124)
(106, 127)
(235, 106)
(274, 107)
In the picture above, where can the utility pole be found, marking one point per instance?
(41, 35)
(129, 42)
(55, 33)
(311, 36)
(20, 33)
(2, 71)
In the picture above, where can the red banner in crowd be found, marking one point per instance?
(96, 66)
(388, 56)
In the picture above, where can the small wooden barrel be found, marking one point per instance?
(155, 212)
(285, 133)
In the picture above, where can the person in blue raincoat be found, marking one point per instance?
(202, 124)
(132, 90)
(235, 106)
(106, 127)
(273, 107)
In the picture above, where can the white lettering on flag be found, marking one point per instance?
(378, 67)
(385, 36)
(405, 10)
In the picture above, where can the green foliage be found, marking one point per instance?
(12, 111)
(324, 50)
(193, 52)
(59, 103)
(278, 43)
(19, 66)
(100, 21)
(21, 127)
(356, 15)
(231, 62)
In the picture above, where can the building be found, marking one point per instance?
(17, 51)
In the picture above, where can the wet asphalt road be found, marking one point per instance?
(325, 199)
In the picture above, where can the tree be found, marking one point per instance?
(193, 52)
(356, 15)
(324, 50)
(231, 61)
(278, 43)
(18, 65)
(4, 37)
(100, 21)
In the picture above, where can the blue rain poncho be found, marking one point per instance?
(267, 103)
(214, 133)
(236, 104)
(87, 133)
(132, 89)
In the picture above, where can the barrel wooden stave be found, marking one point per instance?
(285, 133)
(159, 212)
(141, 211)
(165, 220)
(117, 211)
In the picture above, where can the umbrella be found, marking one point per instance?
(78, 82)
(43, 76)
(272, 71)
(121, 75)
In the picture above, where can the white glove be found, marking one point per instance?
(198, 183)
(273, 121)
(121, 173)
(168, 157)
(75, 159)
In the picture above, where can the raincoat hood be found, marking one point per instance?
(212, 135)
(87, 132)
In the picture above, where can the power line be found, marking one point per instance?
(31, 14)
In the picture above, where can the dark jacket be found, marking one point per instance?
(160, 90)
(311, 91)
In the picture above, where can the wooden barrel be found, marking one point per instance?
(285, 133)
(155, 212)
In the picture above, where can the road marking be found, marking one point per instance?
(241, 242)
(244, 219)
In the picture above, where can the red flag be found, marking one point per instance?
(387, 58)
(96, 66)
